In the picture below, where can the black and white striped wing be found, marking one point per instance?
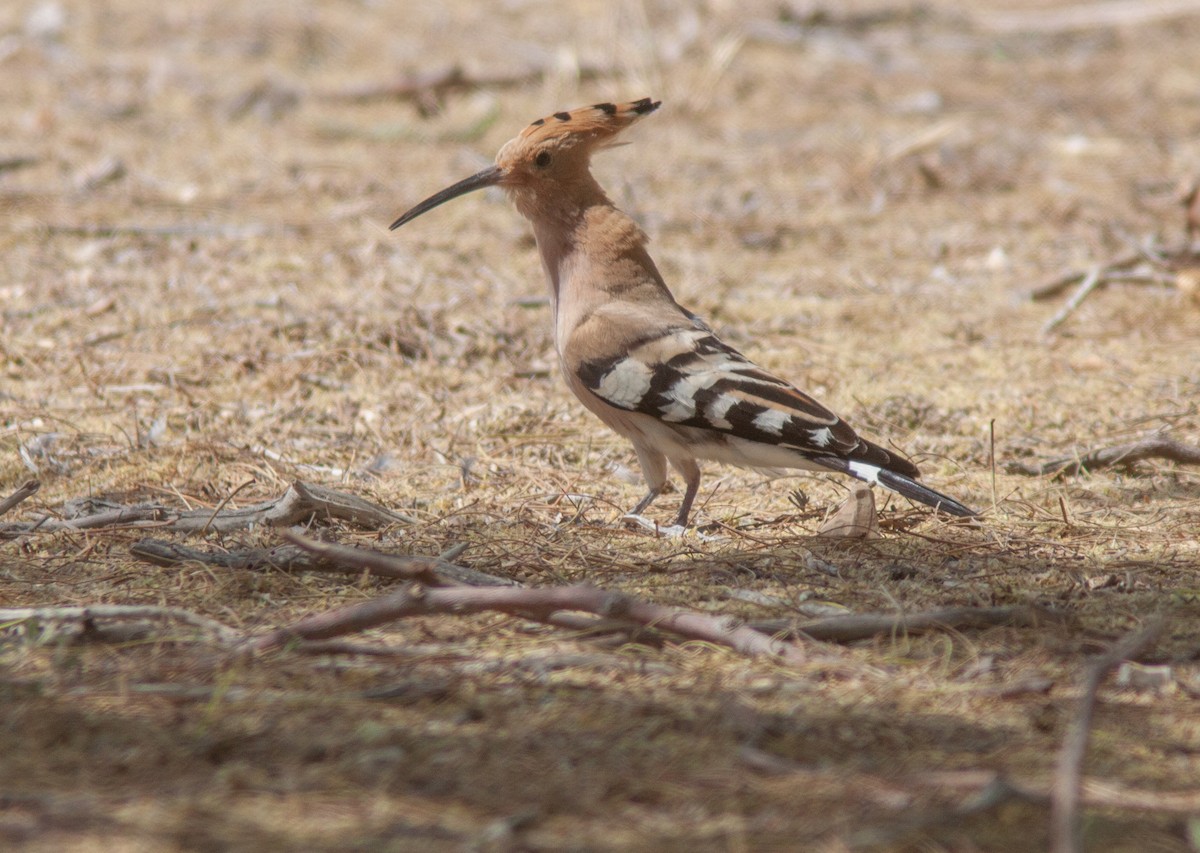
(689, 377)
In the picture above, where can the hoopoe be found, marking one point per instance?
(641, 362)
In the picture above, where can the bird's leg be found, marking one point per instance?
(654, 470)
(690, 471)
(645, 502)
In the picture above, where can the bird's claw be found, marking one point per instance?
(675, 531)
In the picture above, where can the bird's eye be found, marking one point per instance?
(542, 160)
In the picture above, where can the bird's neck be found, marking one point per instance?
(593, 253)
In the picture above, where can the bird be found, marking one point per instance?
(650, 369)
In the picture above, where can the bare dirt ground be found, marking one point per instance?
(200, 303)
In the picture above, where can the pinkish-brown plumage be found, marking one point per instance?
(643, 364)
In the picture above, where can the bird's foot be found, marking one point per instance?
(675, 531)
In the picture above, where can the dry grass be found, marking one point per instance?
(861, 203)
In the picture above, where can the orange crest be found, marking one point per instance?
(599, 121)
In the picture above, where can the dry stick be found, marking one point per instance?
(293, 558)
(1093, 279)
(1158, 279)
(108, 518)
(1068, 777)
(29, 487)
(1122, 454)
(349, 507)
(536, 604)
(220, 506)
(80, 618)
(1121, 270)
(300, 502)
(171, 554)
(1058, 285)
(419, 569)
(359, 559)
(862, 626)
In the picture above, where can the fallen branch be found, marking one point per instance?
(542, 605)
(25, 490)
(1068, 778)
(78, 623)
(301, 502)
(862, 626)
(321, 557)
(140, 515)
(359, 559)
(1157, 447)
(298, 504)
(420, 569)
(348, 507)
(171, 554)
(310, 555)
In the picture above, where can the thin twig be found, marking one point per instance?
(1068, 777)
(1157, 447)
(1057, 285)
(1157, 279)
(25, 490)
(1093, 279)
(220, 506)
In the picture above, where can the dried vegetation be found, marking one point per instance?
(200, 307)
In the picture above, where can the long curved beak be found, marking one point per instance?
(489, 177)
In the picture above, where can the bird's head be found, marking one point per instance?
(546, 158)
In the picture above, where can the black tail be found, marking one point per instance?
(898, 483)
